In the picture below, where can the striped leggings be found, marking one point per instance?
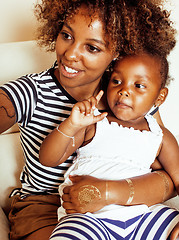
(154, 225)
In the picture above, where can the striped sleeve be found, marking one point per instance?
(23, 94)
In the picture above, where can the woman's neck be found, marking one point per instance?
(82, 92)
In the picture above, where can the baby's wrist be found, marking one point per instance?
(73, 126)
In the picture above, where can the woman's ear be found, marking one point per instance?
(161, 97)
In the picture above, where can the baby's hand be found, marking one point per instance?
(82, 114)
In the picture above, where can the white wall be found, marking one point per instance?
(19, 53)
(170, 109)
(17, 22)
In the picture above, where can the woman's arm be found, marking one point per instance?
(175, 232)
(7, 112)
(169, 156)
(148, 189)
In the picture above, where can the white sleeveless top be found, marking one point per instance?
(118, 152)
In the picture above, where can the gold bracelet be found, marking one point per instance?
(131, 191)
(166, 182)
(73, 138)
(107, 192)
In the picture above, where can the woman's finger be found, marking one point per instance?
(66, 197)
(68, 205)
(66, 189)
(70, 211)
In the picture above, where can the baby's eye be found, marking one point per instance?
(115, 81)
(93, 49)
(138, 85)
(66, 36)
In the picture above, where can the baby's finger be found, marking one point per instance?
(88, 107)
(79, 106)
(99, 96)
(93, 102)
(100, 117)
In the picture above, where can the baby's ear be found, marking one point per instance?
(161, 97)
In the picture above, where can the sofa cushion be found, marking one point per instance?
(4, 226)
(173, 203)
(21, 58)
(11, 164)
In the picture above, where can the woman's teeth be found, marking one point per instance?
(70, 70)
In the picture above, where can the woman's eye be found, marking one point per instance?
(66, 36)
(93, 49)
(140, 86)
(118, 82)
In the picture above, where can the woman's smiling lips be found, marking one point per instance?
(69, 72)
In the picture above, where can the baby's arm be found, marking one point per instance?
(169, 156)
(70, 134)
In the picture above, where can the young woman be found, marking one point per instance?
(86, 36)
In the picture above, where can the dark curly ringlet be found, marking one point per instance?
(164, 71)
(129, 24)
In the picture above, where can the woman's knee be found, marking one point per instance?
(79, 227)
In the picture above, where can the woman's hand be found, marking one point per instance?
(175, 232)
(87, 194)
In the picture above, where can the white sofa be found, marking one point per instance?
(20, 55)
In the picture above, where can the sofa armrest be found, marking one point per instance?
(11, 164)
(4, 226)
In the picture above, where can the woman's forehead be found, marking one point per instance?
(92, 21)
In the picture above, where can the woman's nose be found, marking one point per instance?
(73, 53)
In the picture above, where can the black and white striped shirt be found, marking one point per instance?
(41, 104)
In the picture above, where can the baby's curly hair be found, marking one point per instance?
(130, 24)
